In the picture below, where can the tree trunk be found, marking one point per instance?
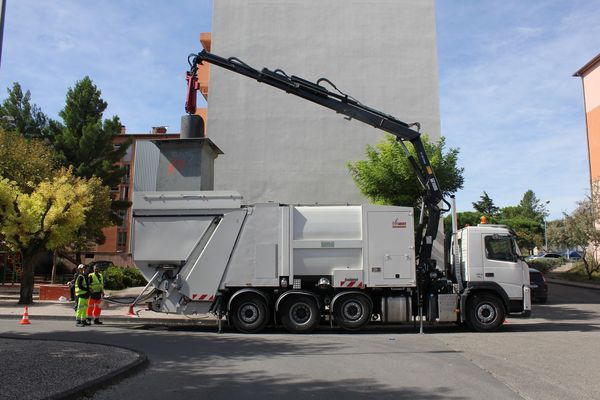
(54, 262)
(31, 258)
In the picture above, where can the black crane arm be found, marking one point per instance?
(348, 106)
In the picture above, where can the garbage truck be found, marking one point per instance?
(205, 251)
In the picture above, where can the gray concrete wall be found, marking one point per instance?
(284, 149)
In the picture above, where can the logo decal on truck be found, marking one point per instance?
(398, 224)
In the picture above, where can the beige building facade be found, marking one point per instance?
(590, 77)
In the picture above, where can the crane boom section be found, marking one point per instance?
(348, 106)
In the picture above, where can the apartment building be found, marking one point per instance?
(590, 78)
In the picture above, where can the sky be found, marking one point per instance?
(508, 99)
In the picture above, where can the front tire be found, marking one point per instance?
(485, 313)
(249, 314)
(299, 314)
(352, 312)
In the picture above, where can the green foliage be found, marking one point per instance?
(545, 264)
(387, 177)
(527, 220)
(579, 230)
(23, 161)
(86, 142)
(47, 218)
(529, 232)
(486, 206)
(470, 218)
(580, 274)
(18, 114)
(97, 217)
(117, 278)
(531, 207)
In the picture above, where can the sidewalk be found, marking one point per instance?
(115, 309)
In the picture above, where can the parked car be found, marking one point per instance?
(551, 255)
(542, 256)
(538, 285)
(101, 264)
(573, 255)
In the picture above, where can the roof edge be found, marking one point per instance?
(587, 66)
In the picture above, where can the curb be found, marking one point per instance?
(123, 319)
(118, 319)
(573, 284)
(95, 384)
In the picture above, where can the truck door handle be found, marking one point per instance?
(489, 274)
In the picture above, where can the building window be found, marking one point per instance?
(124, 193)
(125, 178)
(121, 239)
(123, 216)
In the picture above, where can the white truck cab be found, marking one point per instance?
(491, 264)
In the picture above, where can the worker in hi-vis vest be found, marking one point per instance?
(96, 292)
(82, 292)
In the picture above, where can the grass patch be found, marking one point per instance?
(577, 274)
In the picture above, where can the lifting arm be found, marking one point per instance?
(348, 106)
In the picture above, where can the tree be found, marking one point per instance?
(486, 206)
(529, 232)
(26, 162)
(580, 230)
(45, 219)
(527, 220)
(86, 142)
(531, 207)
(470, 218)
(18, 114)
(387, 177)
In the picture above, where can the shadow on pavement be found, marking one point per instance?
(229, 366)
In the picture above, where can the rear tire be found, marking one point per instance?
(485, 313)
(352, 312)
(299, 314)
(249, 313)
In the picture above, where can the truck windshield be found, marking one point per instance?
(501, 248)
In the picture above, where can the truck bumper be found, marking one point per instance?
(526, 302)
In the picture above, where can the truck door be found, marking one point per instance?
(501, 263)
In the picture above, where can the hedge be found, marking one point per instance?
(117, 278)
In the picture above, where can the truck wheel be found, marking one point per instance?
(299, 314)
(485, 313)
(249, 314)
(352, 312)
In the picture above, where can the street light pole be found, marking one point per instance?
(2, 13)
(545, 229)
(545, 235)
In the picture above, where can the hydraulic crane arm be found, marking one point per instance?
(348, 106)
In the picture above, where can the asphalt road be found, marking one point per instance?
(554, 355)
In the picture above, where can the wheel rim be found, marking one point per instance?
(249, 313)
(300, 313)
(352, 310)
(486, 313)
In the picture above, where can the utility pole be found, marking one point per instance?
(2, 13)
(546, 227)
